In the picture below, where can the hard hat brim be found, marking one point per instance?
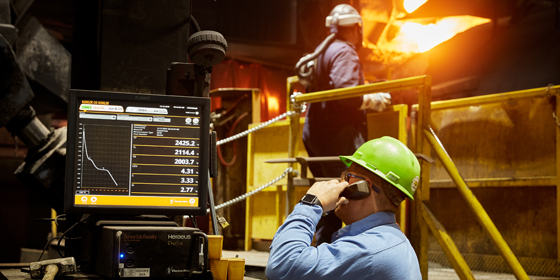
(348, 160)
(344, 20)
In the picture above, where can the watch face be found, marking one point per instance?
(308, 198)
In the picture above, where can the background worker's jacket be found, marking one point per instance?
(336, 127)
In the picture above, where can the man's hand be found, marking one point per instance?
(327, 192)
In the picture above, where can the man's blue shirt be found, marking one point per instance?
(372, 248)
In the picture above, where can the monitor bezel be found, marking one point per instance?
(71, 161)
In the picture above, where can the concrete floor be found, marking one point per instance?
(255, 262)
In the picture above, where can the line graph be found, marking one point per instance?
(92, 162)
(106, 156)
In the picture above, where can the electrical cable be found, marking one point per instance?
(64, 233)
(193, 220)
(46, 246)
(194, 24)
(57, 217)
(222, 160)
(232, 106)
(212, 209)
(55, 237)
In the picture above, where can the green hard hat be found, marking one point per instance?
(391, 160)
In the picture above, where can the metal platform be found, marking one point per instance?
(255, 264)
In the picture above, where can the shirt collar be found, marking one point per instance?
(371, 221)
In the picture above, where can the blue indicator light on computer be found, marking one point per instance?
(122, 256)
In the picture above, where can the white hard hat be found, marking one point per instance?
(343, 15)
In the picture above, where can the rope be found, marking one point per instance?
(253, 192)
(298, 108)
(251, 130)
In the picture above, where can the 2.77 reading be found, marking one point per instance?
(142, 154)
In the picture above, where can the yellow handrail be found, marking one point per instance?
(341, 93)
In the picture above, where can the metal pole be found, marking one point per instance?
(447, 244)
(294, 136)
(423, 192)
(557, 111)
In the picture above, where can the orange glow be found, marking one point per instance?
(414, 37)
(273, 105)
(411, 5)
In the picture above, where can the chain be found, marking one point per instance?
(297, 108)
(245, 196)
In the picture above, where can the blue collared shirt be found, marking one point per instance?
(372, 248)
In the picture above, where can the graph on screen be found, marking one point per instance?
(105, 156)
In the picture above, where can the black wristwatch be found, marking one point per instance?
(311, 200)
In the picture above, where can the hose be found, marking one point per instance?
(304, 72)
(222, 160)
(195, 25)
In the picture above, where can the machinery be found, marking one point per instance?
(94, 233)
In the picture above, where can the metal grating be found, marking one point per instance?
(496, 263)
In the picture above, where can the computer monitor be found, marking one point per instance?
(137, 153)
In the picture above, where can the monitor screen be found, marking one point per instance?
(137, 153)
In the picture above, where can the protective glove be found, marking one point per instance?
(376, 101)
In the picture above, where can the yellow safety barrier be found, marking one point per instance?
(426, 219)
(536, 120)
(475, 206)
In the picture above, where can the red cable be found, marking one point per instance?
(234, 143)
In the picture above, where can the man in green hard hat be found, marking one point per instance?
(371, 246)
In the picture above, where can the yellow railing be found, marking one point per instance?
(426, 219)
(539, 95)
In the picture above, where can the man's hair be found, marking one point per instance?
(393, 196)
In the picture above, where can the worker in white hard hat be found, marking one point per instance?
(371, 246)
(339, 126)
